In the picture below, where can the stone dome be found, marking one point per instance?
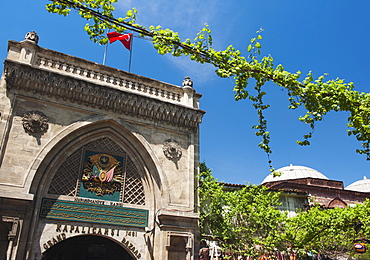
(361, 185)
(295, 172)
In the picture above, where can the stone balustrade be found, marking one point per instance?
(52, 74)
(30, 53)
(106, 78)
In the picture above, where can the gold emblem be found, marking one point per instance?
(102, 174)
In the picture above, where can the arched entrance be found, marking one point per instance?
(132, 188)
(87, 247)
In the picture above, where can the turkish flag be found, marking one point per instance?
(124, 38)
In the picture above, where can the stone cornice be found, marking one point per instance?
(48, 83)
(64, 64)
(314, 190)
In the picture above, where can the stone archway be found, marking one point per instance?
(337, 203)
(87, 247)
(141, 178)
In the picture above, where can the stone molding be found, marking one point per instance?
(49, 63)
(54, 85)
(29, 53)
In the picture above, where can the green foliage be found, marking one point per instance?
(329, 231)
(317, 96)
(98, 13)
(246, 221)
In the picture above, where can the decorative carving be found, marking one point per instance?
(68, 173)
(32, 37)
(44, 83)
(35, 122)
(187, 82)
(73, 69)
(13, 231)
(172, 150)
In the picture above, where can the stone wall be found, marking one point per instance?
(52, 104)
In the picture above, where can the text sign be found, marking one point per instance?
(102, 214)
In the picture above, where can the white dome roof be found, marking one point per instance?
(294, 172)
(361, 185)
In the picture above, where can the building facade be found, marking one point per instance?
(95, 163)
(303, 187)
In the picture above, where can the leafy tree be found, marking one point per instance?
(328, 231)
(317, 96)
(245, 220)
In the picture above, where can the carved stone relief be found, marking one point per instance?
(35, 122)
(172, 150)
(13, 231)
(48, 84)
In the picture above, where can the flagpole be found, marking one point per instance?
(125, 39)
(105, 53)
(129, 62)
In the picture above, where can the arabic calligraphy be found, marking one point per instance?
(78, 211)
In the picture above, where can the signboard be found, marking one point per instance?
(85, 212)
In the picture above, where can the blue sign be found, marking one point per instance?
(101, 214)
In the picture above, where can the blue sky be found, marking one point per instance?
(323, 36)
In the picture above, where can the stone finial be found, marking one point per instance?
(32, 37)
(187, 82)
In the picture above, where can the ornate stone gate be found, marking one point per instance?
(93, 154)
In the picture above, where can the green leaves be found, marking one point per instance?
(240, 218)
(98, 13)
(329, 231)
(317, 96)
(246, 221)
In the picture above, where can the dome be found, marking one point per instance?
(295, 172)
(361, 185)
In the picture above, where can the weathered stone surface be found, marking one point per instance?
(53, 104)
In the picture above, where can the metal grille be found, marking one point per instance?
(133, 189)
(105, 144)
(66, 179)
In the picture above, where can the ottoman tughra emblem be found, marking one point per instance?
(172, 150)
(35, 122)
(102, 174)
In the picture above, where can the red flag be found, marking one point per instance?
(124, 38)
